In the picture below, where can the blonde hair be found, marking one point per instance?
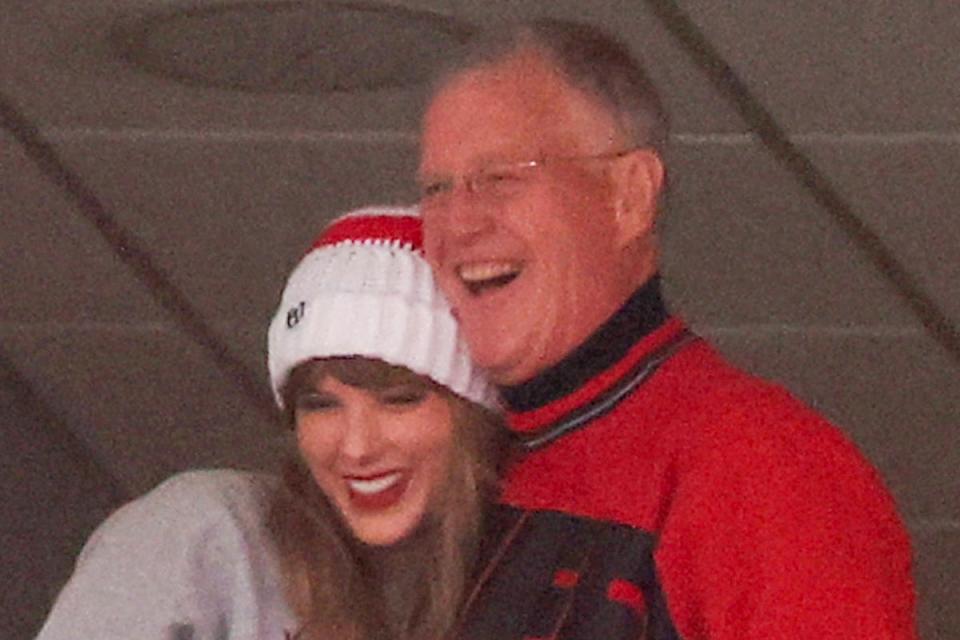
(341, 588)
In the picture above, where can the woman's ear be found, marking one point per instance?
(638, 180)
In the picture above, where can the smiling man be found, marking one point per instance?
(661, 492)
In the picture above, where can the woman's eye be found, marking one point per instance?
(402, 396)
(312, 402)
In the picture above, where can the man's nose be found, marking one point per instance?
(467, 213)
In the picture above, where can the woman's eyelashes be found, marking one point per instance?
(313, 402)
(397, 398)
(403, 396)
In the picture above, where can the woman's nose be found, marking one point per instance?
(362, 436)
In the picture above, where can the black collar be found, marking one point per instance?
(643, 312)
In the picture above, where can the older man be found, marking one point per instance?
(661, 491)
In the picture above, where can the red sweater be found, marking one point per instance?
(763, 520)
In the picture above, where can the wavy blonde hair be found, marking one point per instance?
(341, 588)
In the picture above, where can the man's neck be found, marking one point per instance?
(643, 312)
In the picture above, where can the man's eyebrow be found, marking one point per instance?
(483, 161)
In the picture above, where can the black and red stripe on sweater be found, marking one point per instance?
(665, 494)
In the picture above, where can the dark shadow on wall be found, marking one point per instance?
(762, 123)
(133, 254)
(54, 494)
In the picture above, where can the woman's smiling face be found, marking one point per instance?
(380, 455)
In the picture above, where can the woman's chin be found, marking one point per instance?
(396, 538)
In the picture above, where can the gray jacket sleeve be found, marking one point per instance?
(191, 560)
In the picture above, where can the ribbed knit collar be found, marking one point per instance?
(643, 312)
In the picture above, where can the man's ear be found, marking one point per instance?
(638, 179)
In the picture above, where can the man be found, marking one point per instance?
(661, 493)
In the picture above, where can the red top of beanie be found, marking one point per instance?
(402, 229)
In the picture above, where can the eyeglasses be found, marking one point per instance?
(501, 181)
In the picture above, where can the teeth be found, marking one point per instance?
(480, 271)
(376, 485)
(478, 277)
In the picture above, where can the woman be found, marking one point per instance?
(372, 530)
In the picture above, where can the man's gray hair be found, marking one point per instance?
(590, 59)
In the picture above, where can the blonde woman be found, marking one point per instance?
(371, 532)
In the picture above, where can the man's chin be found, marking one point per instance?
(497, 368)
(500, 353)
(505, 372)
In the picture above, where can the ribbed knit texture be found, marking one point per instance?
(364, 289)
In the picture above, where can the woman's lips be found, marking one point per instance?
(377, 492)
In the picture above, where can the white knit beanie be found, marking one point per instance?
(364, 289)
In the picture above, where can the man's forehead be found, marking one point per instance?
(513, 109)
(513, 80)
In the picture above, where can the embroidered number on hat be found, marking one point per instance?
(295, 314)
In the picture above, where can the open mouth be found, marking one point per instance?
(374, 485)
(375, 494)
(485, 276)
